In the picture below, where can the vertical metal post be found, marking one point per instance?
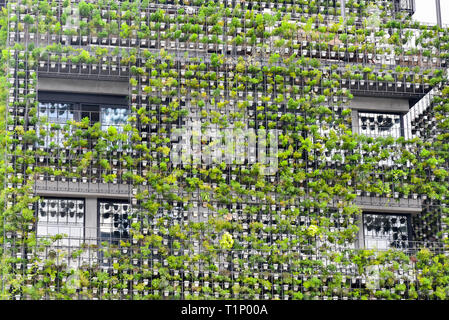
(5, 179)
(438, 9)
(342, 7)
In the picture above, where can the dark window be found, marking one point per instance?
(113, 220)
(91, 111)
(384, 231)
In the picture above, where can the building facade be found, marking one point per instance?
(216, 150)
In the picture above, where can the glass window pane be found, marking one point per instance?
(61, 216)
(114, 222)
(116, 117)
(384, 231)
(56, 112)
(60, 113)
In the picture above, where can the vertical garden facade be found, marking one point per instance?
(223, 150)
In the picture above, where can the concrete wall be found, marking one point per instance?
(380, 204)
(380, 104)
(91, 219)
(83, 86)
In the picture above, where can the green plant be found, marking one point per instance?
(85, 9)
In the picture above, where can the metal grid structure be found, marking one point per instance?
(159, 227)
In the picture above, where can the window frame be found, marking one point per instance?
(82, 238)
(111, 239)
(81, 99)
(381, 112)
(408, 216)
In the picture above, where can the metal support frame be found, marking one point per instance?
(93, 197)
(2, 275)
